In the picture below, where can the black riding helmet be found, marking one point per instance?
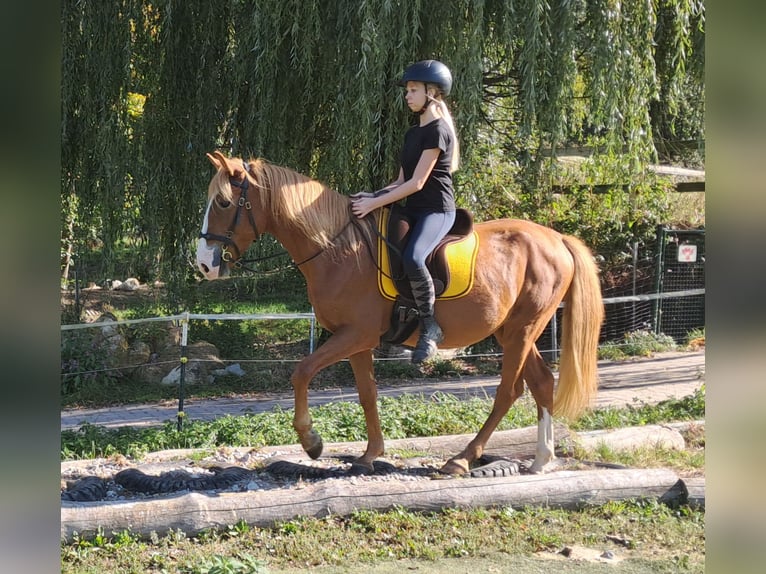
(429, 72)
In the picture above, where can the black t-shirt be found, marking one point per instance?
(437, 193)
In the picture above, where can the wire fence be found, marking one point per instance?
(631, 312)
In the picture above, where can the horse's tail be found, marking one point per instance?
(583, 315)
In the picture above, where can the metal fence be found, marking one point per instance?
(624, 314)
(680, 265)
(632, 312)
(660, 289)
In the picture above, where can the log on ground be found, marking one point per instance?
(195, 512)
(695, 491)
(631, 438)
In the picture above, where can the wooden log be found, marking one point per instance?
(630, 438)
(515, 443)
(194, 512)
(695, 491)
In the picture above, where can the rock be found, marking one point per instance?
(195, 374)
(234, 369)
(111, 338)
(139, 353)
(202, 361)
(130, 284)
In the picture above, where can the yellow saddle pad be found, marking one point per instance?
(461, 258)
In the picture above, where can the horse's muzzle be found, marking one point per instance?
(209, 260)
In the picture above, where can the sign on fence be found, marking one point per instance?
(687, 253)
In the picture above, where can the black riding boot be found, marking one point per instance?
(430, 332)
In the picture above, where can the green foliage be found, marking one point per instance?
(243, 564)
(644, 343)
(637, 344)
(85, 360)
(688, 408)
(492, 539)
(694, 335)
(148, 88)
(600, 199)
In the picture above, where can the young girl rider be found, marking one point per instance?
(428, 158)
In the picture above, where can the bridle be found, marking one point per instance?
(242, 204)
(226, 239)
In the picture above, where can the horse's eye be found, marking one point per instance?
(223, 203)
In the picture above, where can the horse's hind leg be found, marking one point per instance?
(511, 387)
(539, 379)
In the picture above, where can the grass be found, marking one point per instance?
(649, 536)
(401, 417)
(668, 539)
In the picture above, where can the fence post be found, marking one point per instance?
(182, 379)
(311, 334)
(635, 273)
(554, 337)
(658, 282)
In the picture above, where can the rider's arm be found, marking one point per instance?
(425, 166)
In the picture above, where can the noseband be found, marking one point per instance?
(226, 239)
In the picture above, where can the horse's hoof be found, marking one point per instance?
(453, 468)
(315, 449)
(361, 469)
(540, 467)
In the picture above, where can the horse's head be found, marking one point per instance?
(228, 227)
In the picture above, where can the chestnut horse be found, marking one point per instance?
(523, 272)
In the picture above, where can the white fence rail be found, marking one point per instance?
(185, 318)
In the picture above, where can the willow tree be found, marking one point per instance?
(312, 84)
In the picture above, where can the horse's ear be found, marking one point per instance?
(214, 161)
(222, 162)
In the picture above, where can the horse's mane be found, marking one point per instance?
(302, 204)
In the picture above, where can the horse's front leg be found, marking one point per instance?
(339, 346)
(310, 440)
(361, 364)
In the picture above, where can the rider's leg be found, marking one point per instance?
(426, 234)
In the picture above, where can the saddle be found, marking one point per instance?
(451, 265)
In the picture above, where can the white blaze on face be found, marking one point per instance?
(206, 256)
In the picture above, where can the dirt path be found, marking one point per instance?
(647, 380)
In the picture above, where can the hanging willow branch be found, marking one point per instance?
(312, 84)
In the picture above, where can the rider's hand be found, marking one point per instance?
(361, 206)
